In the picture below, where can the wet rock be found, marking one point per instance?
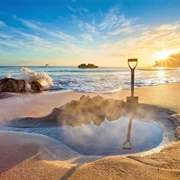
(36, 86)
(86, 110)
(12, 85)
(75, 113)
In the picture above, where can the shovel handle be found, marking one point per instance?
(127, 145)
(132, 60)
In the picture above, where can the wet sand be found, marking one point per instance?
(33, 156)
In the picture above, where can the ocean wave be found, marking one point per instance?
(43, 78)
(103, 80)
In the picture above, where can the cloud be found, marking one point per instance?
(24, 41)
(31, 42)
(115, 23)
(2, 24)
(88, 37)
(78, 10)
(90, 28)
(145, 43)
(31, 25)
(5, 36)
(121, 30)
(122, 25)
(60, 35)
(109, 22)
(113, 19)
(113, 36)
(112, 24)
(86, 27)
(14, 44)
(56, 34)
(15, 17)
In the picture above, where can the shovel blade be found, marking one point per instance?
(132, 100)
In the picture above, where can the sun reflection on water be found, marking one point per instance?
(160, 73)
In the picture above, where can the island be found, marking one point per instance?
(172, 61)
(87, 66)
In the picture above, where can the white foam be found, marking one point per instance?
(43, 78)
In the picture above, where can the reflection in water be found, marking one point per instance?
(161, 73)
(93, 126)
(106, 139)
(129, 147)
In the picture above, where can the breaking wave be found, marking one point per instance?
(43, 78)
(101, 80)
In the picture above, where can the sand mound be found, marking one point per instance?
(17, 147)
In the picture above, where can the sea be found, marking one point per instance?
(97, 80)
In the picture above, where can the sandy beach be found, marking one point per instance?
(34, 156)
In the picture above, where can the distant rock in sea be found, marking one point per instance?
(87, 66)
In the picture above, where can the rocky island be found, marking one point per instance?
(172, 61)
(87, 66)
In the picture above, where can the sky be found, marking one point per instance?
(102, 32)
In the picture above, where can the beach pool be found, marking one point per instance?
(118, 137)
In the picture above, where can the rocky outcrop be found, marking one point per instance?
(75, 113)
(88, 109)
(12, 85)
(15, 85)
(87, 66)
(36, 86)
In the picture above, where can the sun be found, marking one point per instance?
(163, 55)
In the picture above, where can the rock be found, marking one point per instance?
(78, 112)
(36, 86)
(85, 110)
(12, 85)
(87, 66)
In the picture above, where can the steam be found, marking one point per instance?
(28, 75)
(75, 113)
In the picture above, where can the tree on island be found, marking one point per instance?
(172, 61)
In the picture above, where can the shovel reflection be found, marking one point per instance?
(127, 145)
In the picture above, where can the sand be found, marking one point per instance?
(33, 156)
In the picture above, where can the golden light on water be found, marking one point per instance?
(161, 73)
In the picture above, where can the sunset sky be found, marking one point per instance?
(103, 32)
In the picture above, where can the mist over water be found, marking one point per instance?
(100, 80)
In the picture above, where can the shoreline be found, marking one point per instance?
(158, 104)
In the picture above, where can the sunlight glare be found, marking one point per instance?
(161, 73)
(163, 55)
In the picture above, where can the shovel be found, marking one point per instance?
(132, 63)
(127, 145)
